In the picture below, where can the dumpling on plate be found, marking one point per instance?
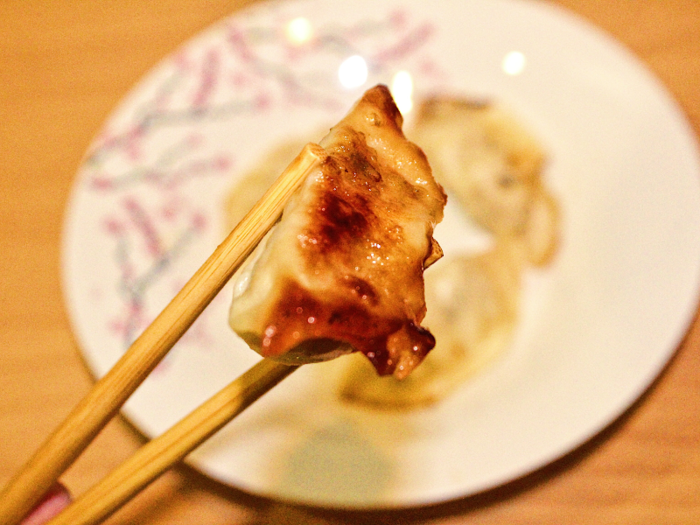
(493, 166)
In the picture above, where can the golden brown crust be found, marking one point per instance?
(345, 265)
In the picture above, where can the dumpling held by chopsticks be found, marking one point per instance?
(343, 269)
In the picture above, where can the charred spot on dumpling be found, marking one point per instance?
(344, 265)
(362, 289)
(361, 165)
(340, 221)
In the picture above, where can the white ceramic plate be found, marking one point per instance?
(598, 326)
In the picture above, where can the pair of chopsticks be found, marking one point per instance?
(109, 394)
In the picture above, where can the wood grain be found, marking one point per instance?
(110, 393)
(171, 447)
(65, 65)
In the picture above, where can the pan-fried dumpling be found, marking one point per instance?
(343, 269)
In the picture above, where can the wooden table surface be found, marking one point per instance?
(64, 67)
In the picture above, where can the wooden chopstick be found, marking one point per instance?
(107, 396)
(158, 455)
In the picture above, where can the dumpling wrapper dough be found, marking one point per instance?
(343, 269)
(493, 166)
